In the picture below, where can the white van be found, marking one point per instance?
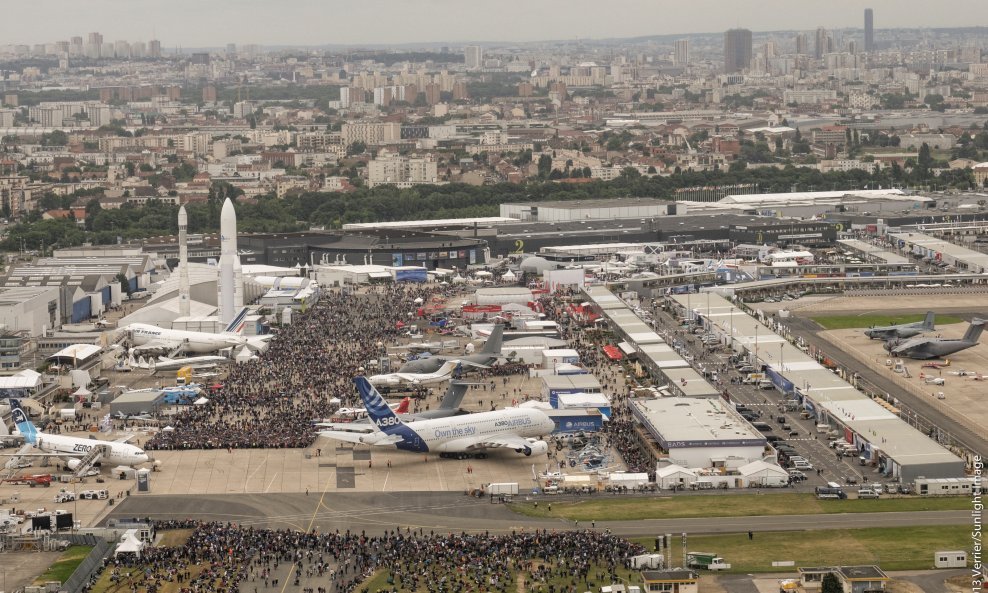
(868, 493)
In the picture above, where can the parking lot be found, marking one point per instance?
(765, 406)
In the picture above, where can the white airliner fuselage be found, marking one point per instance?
(72, 448)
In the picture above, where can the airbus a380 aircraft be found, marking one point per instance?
(520, 429)
(149, 337)
(74, 449)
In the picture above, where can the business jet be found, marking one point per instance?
(520, 429)
(152, 337)
(76, 450)
(439, 376)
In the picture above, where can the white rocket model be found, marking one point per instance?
(183, 264)
(228, 254)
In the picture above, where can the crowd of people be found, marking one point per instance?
(270, 402)
(226, 558)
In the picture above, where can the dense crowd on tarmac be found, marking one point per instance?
(226, 558)
(270, 402)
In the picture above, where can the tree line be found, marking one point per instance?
(384, 203)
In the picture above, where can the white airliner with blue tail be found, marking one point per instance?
(73, 449)
(520, 429)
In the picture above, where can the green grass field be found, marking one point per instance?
(105, 585)
(379, 581)
(66, 564)
(893, 548)
(734, 505)
(866, 321)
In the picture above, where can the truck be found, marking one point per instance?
(628, 480)
(30, 480)
(498, 488)
(706, 561)
(648, 561)
(64, 496)
(66, 414)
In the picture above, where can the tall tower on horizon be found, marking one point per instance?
(682, 56)
(869, 30)
(737, 50)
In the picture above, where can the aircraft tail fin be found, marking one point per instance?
(381, 414)
(403, 406)
(494, 341)
(27, 428)
(237, 325)
(973, 332)
(454, 396)
(928, 323)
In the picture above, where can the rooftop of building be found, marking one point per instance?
(689, 422)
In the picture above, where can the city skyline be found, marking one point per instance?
(444, 21)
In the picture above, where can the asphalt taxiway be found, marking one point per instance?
(449, 512)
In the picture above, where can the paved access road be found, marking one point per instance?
(376, 513)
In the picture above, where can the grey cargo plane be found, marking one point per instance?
(902, 330)
(449, 406)
(924, 348)
(488, 355)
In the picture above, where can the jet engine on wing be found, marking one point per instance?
(536, 447)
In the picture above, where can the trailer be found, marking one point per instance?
(706, 561)
(498, 488)
(648, 561)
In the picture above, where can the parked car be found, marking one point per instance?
(868, 493)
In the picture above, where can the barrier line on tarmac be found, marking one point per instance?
(312, 521)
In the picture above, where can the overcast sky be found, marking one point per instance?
(214, 23)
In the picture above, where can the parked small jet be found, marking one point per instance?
(444, 373)
(923, 348)
(902, 330)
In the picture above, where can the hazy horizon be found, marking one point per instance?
(215, 23)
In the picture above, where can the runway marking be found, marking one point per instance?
(442, 485)
(271, 482)
(312, 522)
(251, 475)
(385, 486)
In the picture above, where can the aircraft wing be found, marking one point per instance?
(42, 454)
(360, 438)
(125, 439)
(497, 442)
(908, 344)
(354, 427)
(158, 344)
